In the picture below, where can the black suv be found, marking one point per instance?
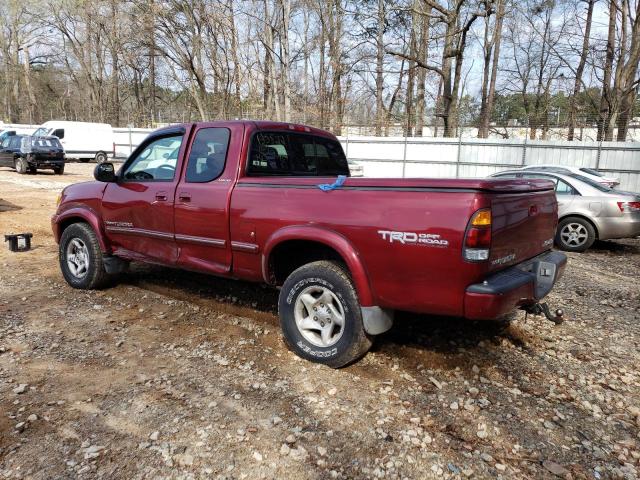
(27, 153)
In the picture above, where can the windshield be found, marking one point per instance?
(592, 183)
(41, 132)
(591, 171)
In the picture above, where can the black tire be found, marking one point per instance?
(95, 276)
(101, 157)
(59, 170)
(84, 160)
(352, 342)
(575, 234)
(21, 165)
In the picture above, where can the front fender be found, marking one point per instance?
(331, 239)
(80, 214)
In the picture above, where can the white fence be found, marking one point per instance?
(471, 157)
(460, 157)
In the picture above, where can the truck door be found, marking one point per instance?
(138, 208)
(203, 195)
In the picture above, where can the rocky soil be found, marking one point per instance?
(179, 375)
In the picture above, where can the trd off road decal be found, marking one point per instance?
(413, 238)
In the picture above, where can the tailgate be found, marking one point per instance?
(524, 226)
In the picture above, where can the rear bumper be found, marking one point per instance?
(45, 161)
(626, 226)
(520, 285)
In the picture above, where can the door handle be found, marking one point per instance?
(184, 197)
(161, 196)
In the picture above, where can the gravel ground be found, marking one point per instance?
(179, 375)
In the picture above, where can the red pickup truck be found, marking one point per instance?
(242, 199)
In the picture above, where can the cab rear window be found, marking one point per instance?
(295, 154)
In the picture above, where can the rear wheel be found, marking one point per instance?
(101, 157)
(575, 234)
(81, 259)
(21, 165)
(320, 315)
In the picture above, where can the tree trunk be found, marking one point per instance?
(489, 91)
(580, 70)
(380, 68)
(421, 77)
(605, 129)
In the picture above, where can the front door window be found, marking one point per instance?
(156, 162)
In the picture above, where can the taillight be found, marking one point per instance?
(629, 207)
(477, 238)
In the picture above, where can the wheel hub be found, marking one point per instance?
(319, 316)
(77, 256)
(574, 234)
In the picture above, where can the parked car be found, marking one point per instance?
(589, 173)
(242, 200)
(8, 132)
(81, 140)
(587, 210)
(27, 153)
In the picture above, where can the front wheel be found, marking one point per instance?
(574, 234)
(59, 170)
(81, 259)
(320, 315)
(101, 157)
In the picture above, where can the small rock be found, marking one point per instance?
(21, 426)
(501, 467)
(332, 391)
(486, 457)
(555, 468)
(21, 388)
(276, 420)
(32, 418)
(154, 436)
(184, 459)
(257, 456)
(290, 439)
(284, 449)
(322, 451)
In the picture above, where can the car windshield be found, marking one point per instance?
(40, 132)
(591, 171)
(592, 183)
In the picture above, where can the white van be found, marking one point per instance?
(81, 140)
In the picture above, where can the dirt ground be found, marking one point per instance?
(179, 375)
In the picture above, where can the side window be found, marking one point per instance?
(295, 154)
(208, 155)
(5, 142)
(58, 133)
(16, 142)
(156, 162)
(563, 188)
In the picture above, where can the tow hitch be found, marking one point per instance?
(543, 309)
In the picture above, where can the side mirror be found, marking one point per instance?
(104, 172)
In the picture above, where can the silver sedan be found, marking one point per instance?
(587, 211)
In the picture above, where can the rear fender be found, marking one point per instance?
(331, 239)
(80, 214)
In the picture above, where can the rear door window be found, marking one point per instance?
(295, 154)
(59, 132)
(208, 155)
